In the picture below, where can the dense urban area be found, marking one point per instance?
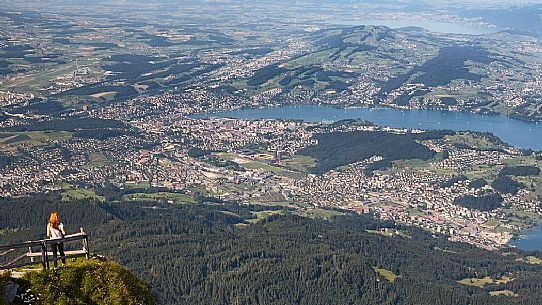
(81, 115)
(120, 115)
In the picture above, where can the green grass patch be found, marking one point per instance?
(261, 215)
(36, 81)
(412, 164)
(318, 213)
(245, 187)
(225, 155)
(160, 196)
(300, 163)
(265, 214)
(34, 138)
(107, 96)
(533, 260)
(17, 138)
(520, 160)
(476, 282)
(88, 282)
(50, 135)
(507, 293)
(504, 280)
(521, 218)
(253, 165)
(79, 194)
(472, 140)
(481, 282)
(415, 212)
(97, 159)
(139, 185)
(199, 190)
(386, 274)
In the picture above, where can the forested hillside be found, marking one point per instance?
(230, 254)
(336, 149)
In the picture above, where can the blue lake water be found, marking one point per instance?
(531, 240)
(430, 25)
(515, 132)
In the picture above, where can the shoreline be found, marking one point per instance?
(379, 106)
(523, 235)
(229, 113)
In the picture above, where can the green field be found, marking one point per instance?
(522, 218)
(386, 274)
(33, 138)
(225, 155)
(261, 215)
(520, 160)
(507, 293)
(199, 190)
(160, 196)
(476, 282)
(472, 140)
(79, 194)
(254, 165)
(415, 212)
(17, 138)
(35, 81)
(300, 163)
(412, 164)
(265, 214)
(97, 159)
(245, 187)
(481, 282)
(318, 213)
(533, 260)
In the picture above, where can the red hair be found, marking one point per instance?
(54, 220)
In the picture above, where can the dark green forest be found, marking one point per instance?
(477, 183)
(520, 171)
(210, 253)
(342, 148)
(448, 65)
(6, 160)
(484, 203)
(507, 185)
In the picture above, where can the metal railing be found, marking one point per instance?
(42, 254)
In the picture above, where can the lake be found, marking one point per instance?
(530, 240)
(430, 25)
(515, 132)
